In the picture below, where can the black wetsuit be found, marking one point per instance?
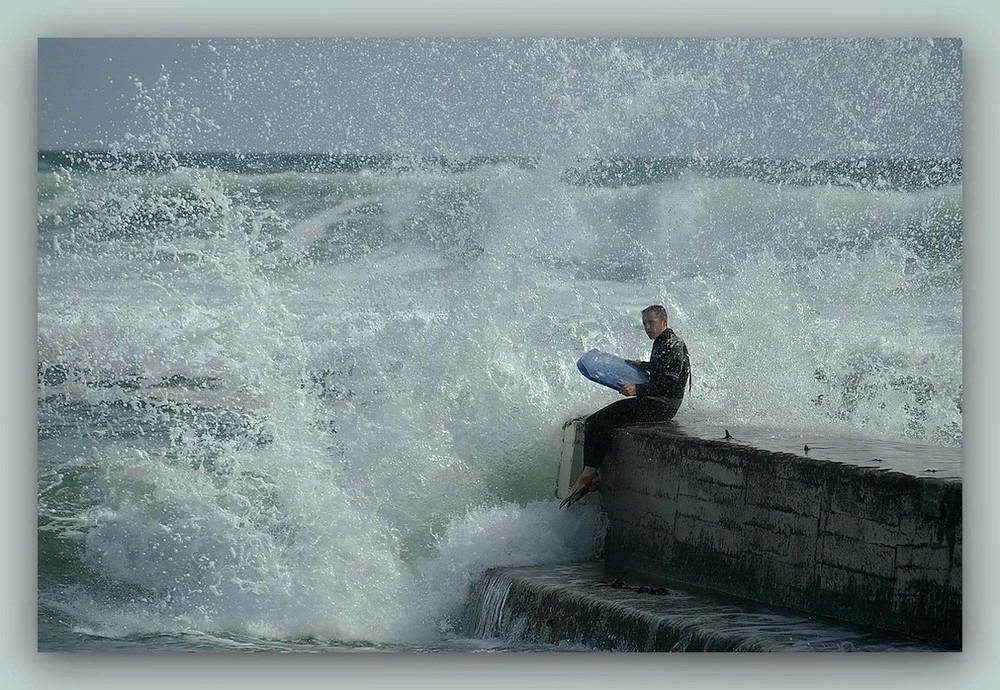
(669, 370)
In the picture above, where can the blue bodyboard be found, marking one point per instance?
(609, 370)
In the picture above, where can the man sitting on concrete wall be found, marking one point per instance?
(669, 370)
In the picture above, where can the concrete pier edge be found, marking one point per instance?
(863, 533)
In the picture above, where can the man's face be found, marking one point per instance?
(654, 325)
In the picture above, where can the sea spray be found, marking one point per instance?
(311, 397)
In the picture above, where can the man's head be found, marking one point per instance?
(654, 320)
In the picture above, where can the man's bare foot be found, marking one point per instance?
(587, 481)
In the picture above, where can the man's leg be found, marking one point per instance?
(598, 430)
(600, 426)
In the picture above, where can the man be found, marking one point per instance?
(669, 371)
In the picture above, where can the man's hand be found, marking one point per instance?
(627, 389)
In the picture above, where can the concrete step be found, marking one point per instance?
(578, 603)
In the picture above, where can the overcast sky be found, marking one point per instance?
(459, 97)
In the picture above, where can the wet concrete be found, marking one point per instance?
(579, 603)
(914, 459)
(866, 532)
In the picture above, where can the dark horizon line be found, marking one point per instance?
(497, 156)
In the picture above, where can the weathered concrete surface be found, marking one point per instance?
(854, 540)
(578, 603)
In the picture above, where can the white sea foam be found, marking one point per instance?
(319, 404)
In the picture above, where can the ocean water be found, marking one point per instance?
(301, 402)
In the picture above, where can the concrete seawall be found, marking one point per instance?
(866, 533)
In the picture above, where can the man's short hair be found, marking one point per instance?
(656, 309)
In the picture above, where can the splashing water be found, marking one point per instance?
(313, 397)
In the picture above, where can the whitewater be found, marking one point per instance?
(303, 401)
